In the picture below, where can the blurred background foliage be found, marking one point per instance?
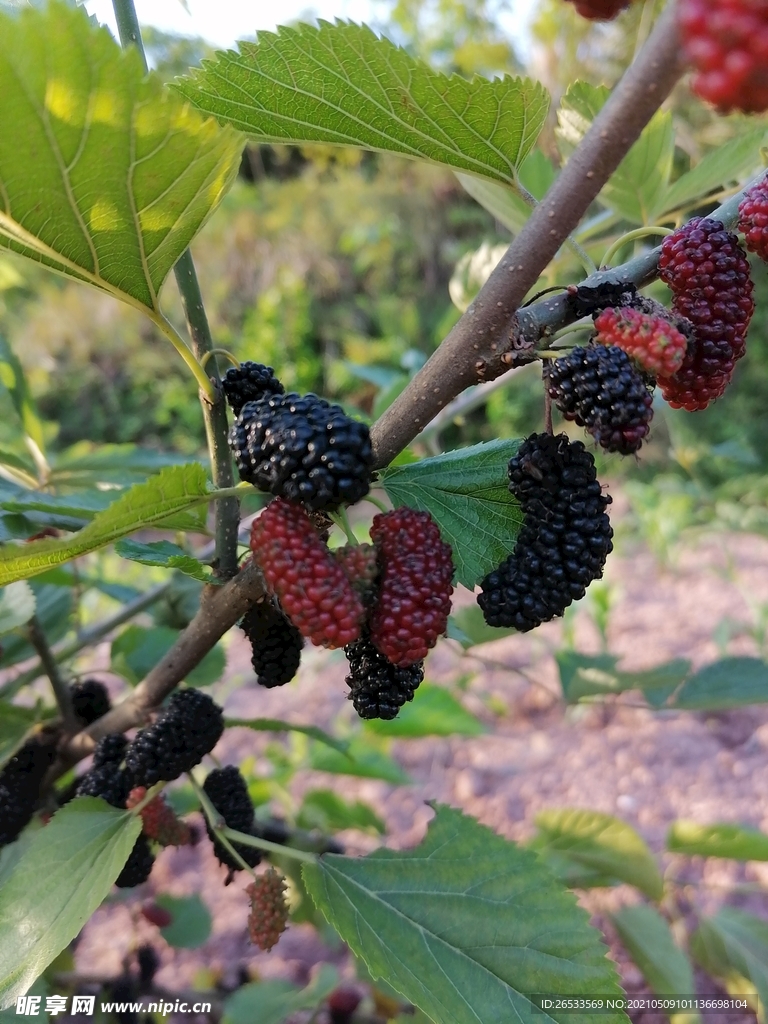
(334, 267)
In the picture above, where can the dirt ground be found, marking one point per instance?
(649, 768)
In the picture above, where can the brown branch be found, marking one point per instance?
(478, 347)
(50, 666)
(220, 608)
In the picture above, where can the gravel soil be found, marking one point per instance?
(649, 768)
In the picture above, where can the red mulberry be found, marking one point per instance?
(652, 341)
(753, 218)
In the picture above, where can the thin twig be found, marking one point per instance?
(479, 346)
(50, 666)
(217, 825)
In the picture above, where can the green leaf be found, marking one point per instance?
(362, 758)
(137, 650)
(473, 629)
(730, 683)
(467, 926)
(433, 712)
(466, 491)
(278, 725)
(635, 187)
(600, 843)
(499, 200)
(581, 674)
(272, 1002)
(173, 490)
(15, 723)
(14, 381)
(17, 606)
(341, 84)
(170, 556)
(647, 938)
(54, 607)
(129, 173)
(723, 840)
(325, 810)
(734, 943)
(719, 167)
(49, 894)
(191, 924)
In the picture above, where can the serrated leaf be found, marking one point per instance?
(278, 725)
(191, 924)
(600, 843)
(53, 605)
(647, 938)
(433, 712)
(721, 840)
(729, 683)
(467, 925)
(17, 606)
(733, 942)
(14, 381)
(168, 555)
(173, 490)
(137, 650)
(361, 758)
(327, 811)
(635, 187)
(341, 84)
(128, 173)
(272, 1002)
(466, 491)
(719, 167)
(51, 891)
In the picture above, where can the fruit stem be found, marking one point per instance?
(630, 236)
(148, 797)
(264, 844)
(61, 691)
(220, 352)
(341, 519)
(375, 501)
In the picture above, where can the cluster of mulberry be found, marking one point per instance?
(564, 540)
(20, 782)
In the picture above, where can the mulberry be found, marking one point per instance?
(20, 782)
(276, 644)
(312, 587)
(269, 911)
(600, 10)
(303, 449)
(110, 750)
(652, 341)
(185, 731)
(415, 591)
(248, 382)
(600, 389)
(727, 43)
(159, 822)
(378, 689)
(227, 791)
(753, 218)
(138, 866)
(360, 563)
(109, 782)
(564, 541)
(90, 700)
(708, 273)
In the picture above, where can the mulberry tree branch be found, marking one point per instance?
(478, 347)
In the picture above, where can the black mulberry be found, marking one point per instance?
(138, 866)
(247, 382)
(90, 700)
(228, 792)
(304, 449)
(601, 390)
(275, 642)
(20, 782)
(107, 781)
(186, 730)
(110, 750)
(564, 541)
(378, 689)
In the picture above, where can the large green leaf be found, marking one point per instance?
(191, 924)
(173, 490)
(648, 940)
(600, 843)
(105, 176)
(734, 943)
(166, 554)
(362, 758)
(590, 675)
(13, 379)
(136, 651)
(730, 683)
(467, 926)
(433, 712)
(51, 891)
(467, 493)
(722, 840)
(53, 606)
(341, 84)
(719, 167)
(634, 188)
(278, 725)
(272, 1002)
(507, 206)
